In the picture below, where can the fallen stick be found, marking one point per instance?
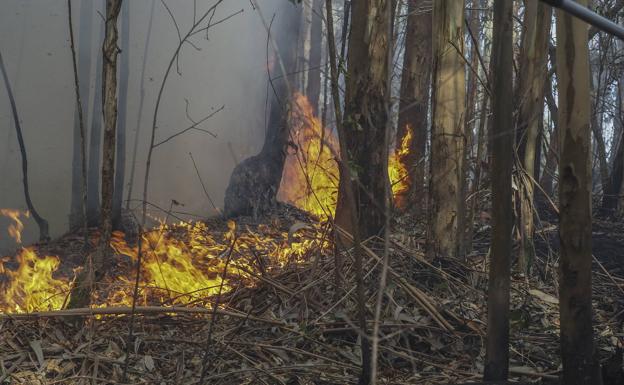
(123, 310)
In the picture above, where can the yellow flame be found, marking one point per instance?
(310, 178)
(398, 170)
(182, 264)
(15, 229)
(32, 286)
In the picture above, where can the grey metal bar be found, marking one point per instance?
(588, 16)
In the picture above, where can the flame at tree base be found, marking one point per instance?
(311, 176)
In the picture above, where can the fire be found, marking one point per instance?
(182, 264)
(310, 178)
(15, 229)
(398, 170)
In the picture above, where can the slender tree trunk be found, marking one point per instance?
(76, 214)
(95, 145)
(365, 117)
(110, 53)
(348, 189)
(81, 132)
(44, 233)
(608, 199)
(447, 133)
(414, 99)
(124, 75)
(580, 366)
(533, 73)
(548, 176)
(316, 41)
(502, 138)
(465, 215)
(141, 100)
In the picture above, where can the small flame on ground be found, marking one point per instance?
(182, 264)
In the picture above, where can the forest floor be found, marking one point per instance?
(296, 326)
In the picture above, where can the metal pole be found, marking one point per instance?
(588, 16)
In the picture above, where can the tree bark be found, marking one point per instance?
(548, 176)
(95, 145)
(365, 117)
(533, 73)
(580, 366)
(110, 52)
(141, 101)
(414, 98)
(447, 133)
(502, 138)
(348, 190)
(124, 75)
(316, 42)
(44, 233)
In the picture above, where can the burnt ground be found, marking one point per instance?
(296, 325)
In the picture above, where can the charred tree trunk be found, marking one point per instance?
(254, 182)
(95, 146)
(44, 233)
(365, 117)
(497, 348)
(316, 42)
(447, 133)
(76, 214)
(124, 72)
(580, 366)
(533, 73)
(414, 99)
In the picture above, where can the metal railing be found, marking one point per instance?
(587, 15)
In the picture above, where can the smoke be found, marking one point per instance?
(227, 66)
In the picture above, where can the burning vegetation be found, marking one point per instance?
(182, 264)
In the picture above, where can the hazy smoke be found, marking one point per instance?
(230, 70)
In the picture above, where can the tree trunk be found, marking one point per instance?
(548, 176)
(365, 117)
(447, 133)
(497, 347)
(141, 101)
(110, 53)
(76, 214)
(44, 233)
(255, 181)
(580, 366)
(314, 71)
(95, 144)
(124, 72)
(533, 73)
(414, 99)
(465, 215)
